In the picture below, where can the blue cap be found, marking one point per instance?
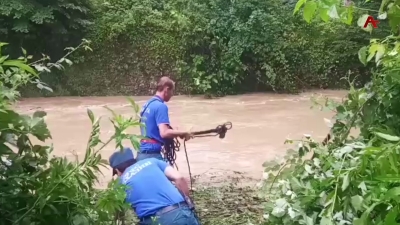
(120, 157)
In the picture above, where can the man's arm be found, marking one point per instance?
(162, 120)
(174, 176)
(178, 179)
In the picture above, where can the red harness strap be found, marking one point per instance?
(151, 141)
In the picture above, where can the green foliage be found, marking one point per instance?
(37, 188)
(213, 47)
(44, 26)
(23, 16)
(352, 180)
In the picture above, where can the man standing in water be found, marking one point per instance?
(155, 117)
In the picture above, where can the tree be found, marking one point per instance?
(44, 26)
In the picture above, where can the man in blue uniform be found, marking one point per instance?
(155, 116)
(150, 191)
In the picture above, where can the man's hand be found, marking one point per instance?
(187, 136)
(167, 132)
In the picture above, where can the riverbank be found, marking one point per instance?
(232, 202)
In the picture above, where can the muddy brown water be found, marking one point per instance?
(261, 123)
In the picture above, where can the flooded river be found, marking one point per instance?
(261, 123)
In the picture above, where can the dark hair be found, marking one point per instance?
(165, 82)
(122, 167)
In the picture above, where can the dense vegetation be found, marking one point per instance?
(351, 180)
(213, 46)
(37, 188)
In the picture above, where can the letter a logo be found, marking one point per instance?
(369, 20)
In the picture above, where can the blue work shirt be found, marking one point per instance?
(149, 190)
(154, 113)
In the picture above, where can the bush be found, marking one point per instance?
(44, 26)
(40, 189)
(211, 47)
(352, 180)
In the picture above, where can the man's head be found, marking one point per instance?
(165, 88)
(120, 160)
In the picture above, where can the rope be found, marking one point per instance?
(188, 164)
(171, 146)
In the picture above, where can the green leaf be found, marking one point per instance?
(80, 220)
(365, 216)
(383, 4)
(382, 16)
(47, 88)
(69, 62)
(379, 53)
(134, 105)
(373, 48)
(356, 202)
(39, 114)
(270, 164)
(308, 220)
(38, 128)
(91, 115)
(21, 65)
(387, 136)
(326, 221)
(394, 18)
(362, 55)
(392, 193)
(309, 11)
(3, 58)
(346, 182)
(323, 13)
(298, 5)
(391, 217)
(349, 16)
(333, 12)
(5, 150)
(389, 178)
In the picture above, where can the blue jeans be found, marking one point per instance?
(141, 156)
(179, 216)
